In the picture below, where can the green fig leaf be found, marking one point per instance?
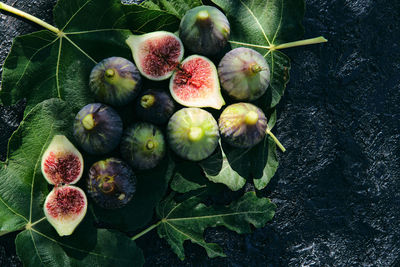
(151, 187)
(45, 65)
(23, 191)
(175, 7)
(263, 26)
(188, 220)
(188, 176)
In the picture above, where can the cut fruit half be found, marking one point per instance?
(62, 163)
(196, 84)
(65, 207)
(156, 54)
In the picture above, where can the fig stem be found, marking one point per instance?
(29, 17)
(317, 40)
(147, 101)
(88, 122)
(145, 231)
(276, 140)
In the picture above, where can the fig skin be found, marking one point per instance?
(115, 81)
(143, 146)
(244, 74)
(196, 84)
(111, 183)
(242, 125)
(65, 207)
(98, 128)
(193, 133)
(156, 54)
(61, 162)
(154, 106)
(204, 30)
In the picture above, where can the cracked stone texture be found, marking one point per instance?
(337, 187)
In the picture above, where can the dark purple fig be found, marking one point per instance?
(97, 128)
(244, 125)
(143, 146)
(65, 207)
(156, 54)
(244, 74)
(111, 183)
(62, 163)
(193, 133)
(204, 30)
(115, 81)
(154, 106)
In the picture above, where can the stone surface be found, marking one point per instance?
(337, 187)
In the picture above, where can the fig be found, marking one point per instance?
(196, 84)
(115, 81)
(244, 125)
(204, 30)
(244, 74)
(98, 128)
(193, 133)
(111, 183)
(154, 106)
(143, 146)
(61, 163)
(156, 54)
(65, 207)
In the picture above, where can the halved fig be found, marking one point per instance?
(62, 163)
(196, 84)
(115, 81)
(193, 133)
(143, 146)
(97, 128)
(244, 74)
(111, 183)
(156, 54)
(204, 30)
(65, 207)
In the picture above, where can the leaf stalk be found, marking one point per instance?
(311, 41)
(146, 231)
(279, 144)
(29, 17)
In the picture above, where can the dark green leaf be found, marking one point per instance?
(188, 220)
(175, 7)
(262, 25)
(44, 65)
(150, 189)
(188, 176)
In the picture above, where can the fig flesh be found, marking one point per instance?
(61, 163)
(242, 125)
(97, 128)
(193, 133)
(154, 106)
(156, 54)
(111, 183)
(65, 207)
(115, 81)
(196, 84)
(204, 30)
(244, 74)
(143, 146)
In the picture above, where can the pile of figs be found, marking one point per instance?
(171, 118)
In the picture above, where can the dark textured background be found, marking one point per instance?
(337, 187)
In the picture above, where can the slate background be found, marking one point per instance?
(337, 187)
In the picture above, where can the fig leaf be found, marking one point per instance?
(22, 193)
(187, 220)
(176, 7)
(45, 64)
(263, 25)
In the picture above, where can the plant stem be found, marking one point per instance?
(28, 17)
(276, 140)
(317, 40)
(146, 231)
